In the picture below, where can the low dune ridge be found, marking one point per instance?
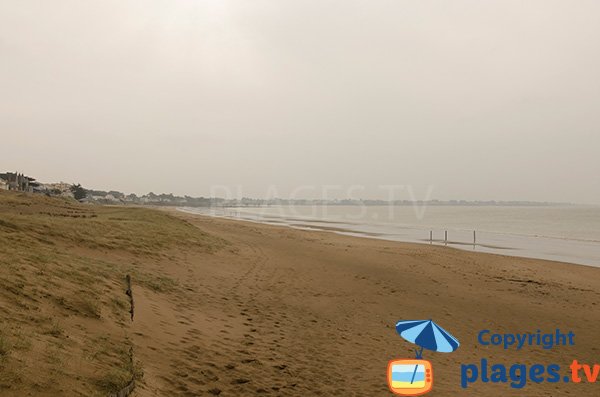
(234, 308)
(66, 327)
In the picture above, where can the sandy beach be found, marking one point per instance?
(297, 313)
(234, 308)
(294, 198)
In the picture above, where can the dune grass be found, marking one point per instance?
(62, 270)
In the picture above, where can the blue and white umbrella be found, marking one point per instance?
(427, 334)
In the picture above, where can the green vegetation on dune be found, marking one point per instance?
(62, 269)
(136, 230)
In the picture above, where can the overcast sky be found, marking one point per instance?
(472, 99)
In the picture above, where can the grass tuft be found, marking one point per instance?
(55, 330)
(5, 346)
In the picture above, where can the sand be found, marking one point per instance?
(300, 313)
(234, 308)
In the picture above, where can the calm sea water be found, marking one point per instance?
(562, 233)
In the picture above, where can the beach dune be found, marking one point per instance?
(233, 308)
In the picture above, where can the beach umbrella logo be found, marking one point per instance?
(414, 377)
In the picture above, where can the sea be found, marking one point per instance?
(568, 233)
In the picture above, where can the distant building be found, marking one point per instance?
(59, 189)
(19, 182)
(60, 186)
(3, 184)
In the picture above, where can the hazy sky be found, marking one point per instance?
(473, 99)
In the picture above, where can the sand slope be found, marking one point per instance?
(295, 313)
(65, 328)
(240, 309)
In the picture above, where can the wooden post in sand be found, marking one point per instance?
(446, 237)
(129, 293)
(430, 236)
(474, 238)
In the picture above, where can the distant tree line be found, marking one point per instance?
(169, 199)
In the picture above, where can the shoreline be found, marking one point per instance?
(543, 244)
(226, 307)
(325, 305)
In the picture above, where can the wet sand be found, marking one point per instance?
(287, 312)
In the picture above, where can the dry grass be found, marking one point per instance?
(124, 371)
(62, 269)
(4, 346)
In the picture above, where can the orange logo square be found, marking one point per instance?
(410, 377)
